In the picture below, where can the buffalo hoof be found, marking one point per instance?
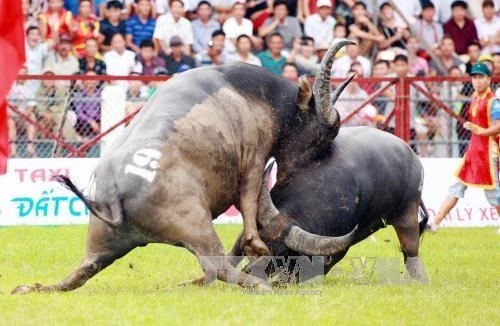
(416, 269)
(255, 248)
(25, 289)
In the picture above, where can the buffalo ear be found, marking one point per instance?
(304, 94)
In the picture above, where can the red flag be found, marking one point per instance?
(11, 60)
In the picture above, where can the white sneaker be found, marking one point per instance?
(431, 226)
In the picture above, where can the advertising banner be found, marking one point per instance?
(29, 196)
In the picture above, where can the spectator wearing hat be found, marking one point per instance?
(171, 24)
(426, 26)
(140, 27)
(92, 59)
(461, 29)
(215, 55)
(177, 59)
(149, 60)
(306, 8)
(62, 61)
(120, 61)
(111, 25)
(487, 26)
(272, 59)
(55, 21)
(203, 26)
(320, 25)
(283, 24)
(479, 167)
(244, 51)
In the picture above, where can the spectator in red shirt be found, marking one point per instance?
(55, 21)
(85, 26)
(461, 29)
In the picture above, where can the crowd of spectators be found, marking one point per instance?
(166, 37)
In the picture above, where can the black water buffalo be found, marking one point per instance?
(369, 180)
(198, 146)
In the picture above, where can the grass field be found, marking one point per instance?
(462, 264)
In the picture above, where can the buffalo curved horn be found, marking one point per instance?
(297, 239)
(267, 209)
(321, 87)
(310, 244)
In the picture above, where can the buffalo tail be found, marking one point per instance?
(90, 204)
(423, 217)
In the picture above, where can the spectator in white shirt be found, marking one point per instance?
(427, 28)
(487, 26)
(243, 51)
(36, 50)
(342, 65)
(171, 24)
(203, 26)
(237, 25)
(320, 25)
(120, 61)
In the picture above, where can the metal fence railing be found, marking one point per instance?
(72, 116)
(79, 116)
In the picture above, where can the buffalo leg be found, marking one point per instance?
(206, 245)
(103, 248)
(251, 242)
(409, 238)
(235, 256)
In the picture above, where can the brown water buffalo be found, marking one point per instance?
(199, 145)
